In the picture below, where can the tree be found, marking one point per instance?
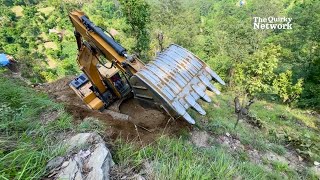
(137, 13)
(255, 74)
(285, 88)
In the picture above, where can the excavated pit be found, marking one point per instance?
(144, 126)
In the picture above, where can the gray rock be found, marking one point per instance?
(88, 159)
(72, 170)
(54, 163)
(270, 156)
(83, 141)
(100, 161)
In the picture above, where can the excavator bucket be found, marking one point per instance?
(175, 80)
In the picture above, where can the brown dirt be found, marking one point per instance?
(48, 116)
(145, 125)
(200, 138)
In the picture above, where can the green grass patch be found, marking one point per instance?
(175, 158)
(282, 126)
(26, 141)
(26, 144)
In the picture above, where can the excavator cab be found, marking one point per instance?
(89, 95)
(101, 83)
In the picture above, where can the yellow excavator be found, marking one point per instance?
(174, 81)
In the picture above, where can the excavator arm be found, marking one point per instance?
(173, 82)
(104, 44)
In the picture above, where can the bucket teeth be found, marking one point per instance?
(192, 102)
(215, 76)
(188, 118)
(179, 78)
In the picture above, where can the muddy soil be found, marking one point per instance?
(144, 126)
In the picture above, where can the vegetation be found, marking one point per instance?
(280, 68)
(174, 158)
(221, 33)
(26, 143)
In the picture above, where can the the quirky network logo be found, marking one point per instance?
(272, 23)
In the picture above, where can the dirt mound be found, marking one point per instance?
(148, 118)
(144, 126)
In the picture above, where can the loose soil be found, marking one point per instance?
(144, 127)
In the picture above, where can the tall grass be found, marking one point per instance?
(177, 158)
(26, 143)
(173, 158)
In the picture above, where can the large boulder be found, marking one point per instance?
(87, 158)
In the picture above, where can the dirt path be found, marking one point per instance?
(144, 127)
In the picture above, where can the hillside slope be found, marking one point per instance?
(32, 125)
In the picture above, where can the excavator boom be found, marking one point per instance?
(174, 81)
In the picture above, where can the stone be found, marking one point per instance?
(100, 161)
(54, 163)
(72, 170)
(137, 177)
(270, 156)
(65, 164)
(83, 141)
(88, 158)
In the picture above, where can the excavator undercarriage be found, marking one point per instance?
(174, 81)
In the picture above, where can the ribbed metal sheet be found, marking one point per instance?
(180, 78)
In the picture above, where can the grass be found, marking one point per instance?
(91, 124)
(177, 158)
(280, 122)
(27, 143)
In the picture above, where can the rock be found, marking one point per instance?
(65, 164)
(84, 154)
(54, 163)
(316, 163)
(138, 177)
(270, 156)
(88, 158)
(83, 141)
(254, 156)
(100, 161)
(72, 170)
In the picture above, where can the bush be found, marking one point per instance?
(285, 89)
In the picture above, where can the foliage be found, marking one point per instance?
(284, 87)
(27, 139)
(255, 74)
(219, 32)
(173, 158)
(26, 144)
(137, 13)
(306, 145)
